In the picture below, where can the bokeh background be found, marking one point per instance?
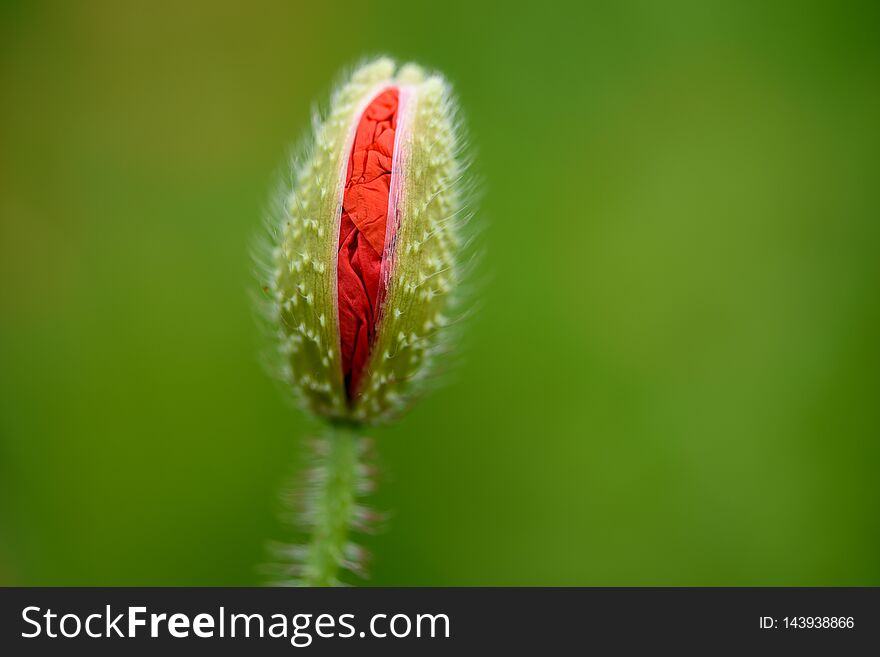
(675, 376)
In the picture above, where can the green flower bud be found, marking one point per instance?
(415, 268)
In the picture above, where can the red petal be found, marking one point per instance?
(362, 233)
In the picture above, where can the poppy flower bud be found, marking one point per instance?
(364, 260)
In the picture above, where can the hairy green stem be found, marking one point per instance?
(332, 509)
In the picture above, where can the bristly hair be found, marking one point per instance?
(298, 306)
(326, 501)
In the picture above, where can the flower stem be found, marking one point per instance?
(331, 508)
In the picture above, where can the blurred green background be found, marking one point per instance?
(674, 378)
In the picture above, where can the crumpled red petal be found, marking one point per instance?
(362, 233)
